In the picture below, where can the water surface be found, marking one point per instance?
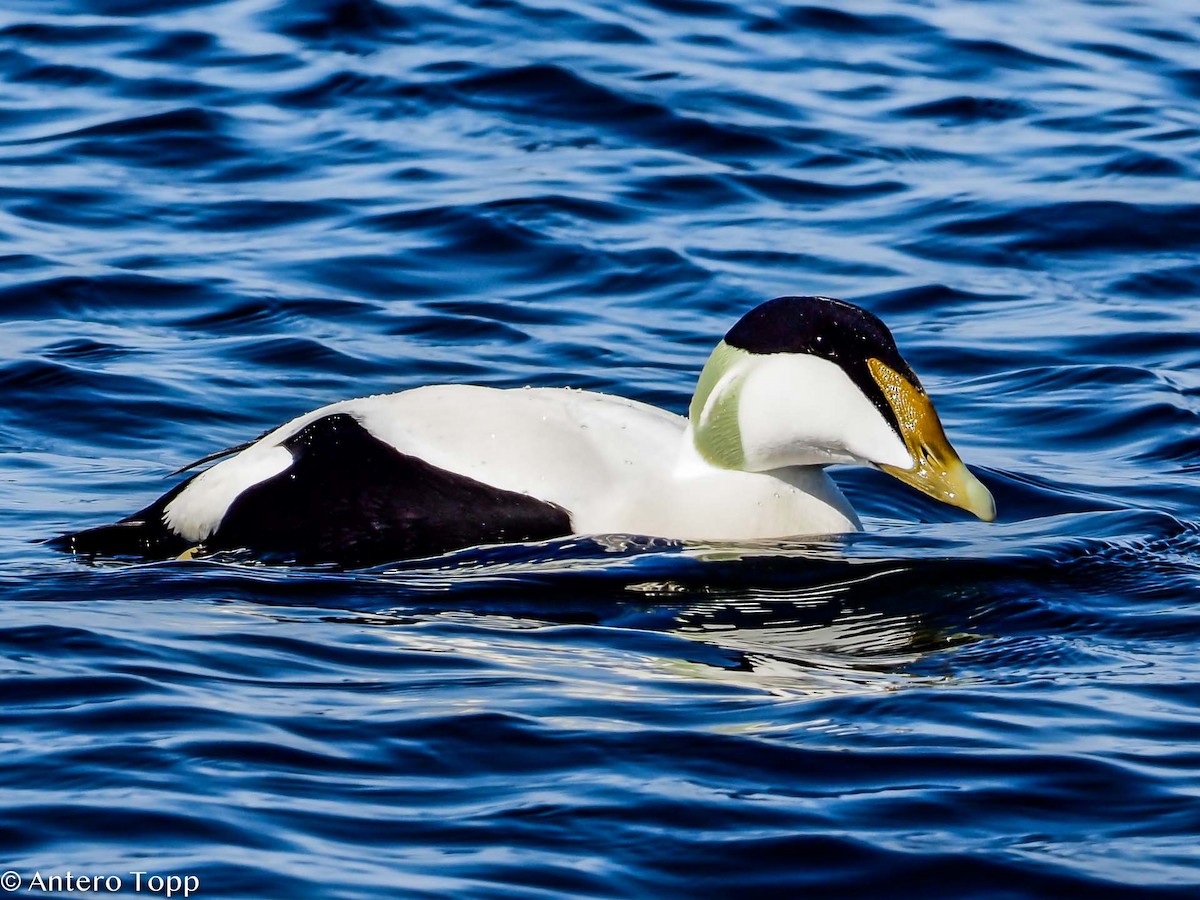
(217, 215)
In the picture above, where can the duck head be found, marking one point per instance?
(810, 381)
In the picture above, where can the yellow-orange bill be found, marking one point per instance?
(937, 469)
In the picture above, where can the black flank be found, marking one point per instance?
(351, 499)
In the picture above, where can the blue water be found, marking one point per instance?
(217, 215)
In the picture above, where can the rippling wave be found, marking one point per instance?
(217, 214)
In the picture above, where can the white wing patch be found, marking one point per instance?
(198, 510)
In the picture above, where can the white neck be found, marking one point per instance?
(708, 502)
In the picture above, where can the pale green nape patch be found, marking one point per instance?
(714, 419)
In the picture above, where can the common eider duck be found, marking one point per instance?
(797, 384)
